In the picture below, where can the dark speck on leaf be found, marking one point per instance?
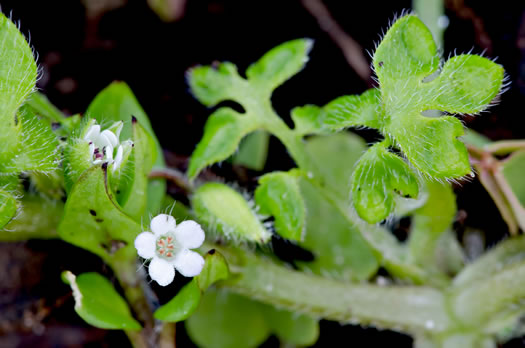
(99, 220)
(381, 64)
(92, 212)
(211, 252)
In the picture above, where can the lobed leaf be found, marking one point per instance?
(222, 134)
(406, 63)
(228, 214)
(278, 195)
(98, 303)
(378, 175)
(279, 64)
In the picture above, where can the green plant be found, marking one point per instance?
(102, 163)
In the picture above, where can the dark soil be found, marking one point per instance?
(81, 52)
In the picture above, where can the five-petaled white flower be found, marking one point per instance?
(105, 146)
(168, 247)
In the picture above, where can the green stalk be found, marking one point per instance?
(405, 308)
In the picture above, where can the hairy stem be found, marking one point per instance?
(406, 308)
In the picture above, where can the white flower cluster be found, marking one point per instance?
(105, 146)
(169, 248)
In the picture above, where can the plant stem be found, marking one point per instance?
(134, 291)
(405, 308)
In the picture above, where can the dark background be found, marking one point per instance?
(83, 48)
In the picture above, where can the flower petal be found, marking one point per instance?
(188, 263)
(145, 245)
(118, 158)
(92, 133)
(161, 271)
(189, 234)
(110, 136)
(162, 224)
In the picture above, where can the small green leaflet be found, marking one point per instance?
(278, 194)
(187, 300)
(97, 302)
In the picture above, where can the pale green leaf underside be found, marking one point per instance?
(93, 221)
(227, 214)
(98, 303)
(326, 152)
(211, 85)
(378, 176)
(278, 195)
(339, 248)
(253, 150)
(18, 72)
(227, 320)
(222, 134)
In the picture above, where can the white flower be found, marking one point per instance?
(105, 146)
(169, 247)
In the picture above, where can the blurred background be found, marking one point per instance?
(83, 45)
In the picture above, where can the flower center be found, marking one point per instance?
(166, 247)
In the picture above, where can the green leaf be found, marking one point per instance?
(466, 84)
(38, 219)
(215, 269)
(227, 214)
(253, 150)
(213, 84)
(133, 186)
(182, 305)
(327, 151)
(279, 64)
(354, 110)
(307, 119)
(378, 176)
(339, 248)
(93, 221)
(292, 328)
(187, 300)
(222, 134)
(38, 147)
(18, 72)
(97, 302)
(407, 51)
(406, 63)
(226, 320)
(118, 103)
(278, 194)
(430, 221)
(347, 111)
(8, 207)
